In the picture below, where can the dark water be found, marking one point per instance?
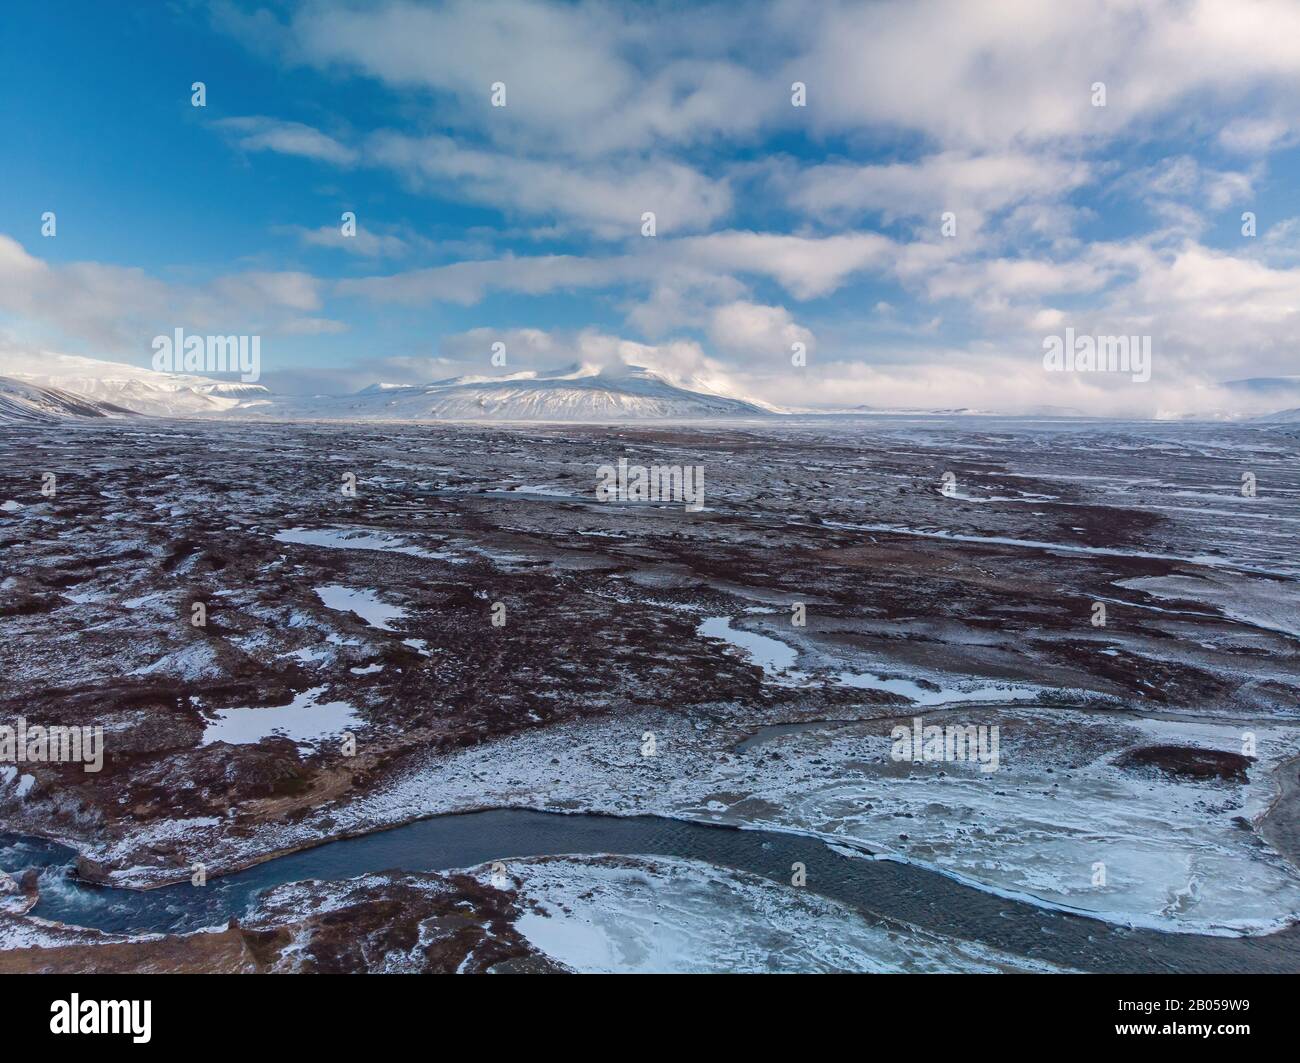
(898, 891)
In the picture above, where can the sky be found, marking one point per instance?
(917, 195)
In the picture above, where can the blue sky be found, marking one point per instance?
(775, 224)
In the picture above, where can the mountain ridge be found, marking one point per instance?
(574, 393)
(22, 402)
(130, 387)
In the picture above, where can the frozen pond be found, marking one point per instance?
(364, 603)
(305, 719)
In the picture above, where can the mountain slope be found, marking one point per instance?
(136, 389)
(1279, 417)
(626, 393)
(25, 403)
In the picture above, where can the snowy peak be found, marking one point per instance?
(574, 393)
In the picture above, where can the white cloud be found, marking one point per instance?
(1181, 183)
(588, 78)
(977, 379)
(807, 267)
(258, 133)
(604, 101)
(296, 291)
(363, 242)
(971, 186)
(467, 283)
(606, 198)
(1281, 242)
(996, 281)
(752, 330)
(1256, 136)
(1020, 72)
(119, 309)
(579, 77)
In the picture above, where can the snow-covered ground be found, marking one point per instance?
(357, 539)
(305, 719)
(652, 915)
(362, 601)
(1270, 605)
(373, 613)
(1174, 852)
(1174, 855)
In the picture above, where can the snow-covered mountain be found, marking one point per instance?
(580, 393)
(1280, 417)
(1258, 399)
(25, 403)
(131, 387)
(577, 393)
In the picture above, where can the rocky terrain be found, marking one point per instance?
(410, 620)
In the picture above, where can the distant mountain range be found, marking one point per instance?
(1280, 389)
(576, 393)
(36, 387)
